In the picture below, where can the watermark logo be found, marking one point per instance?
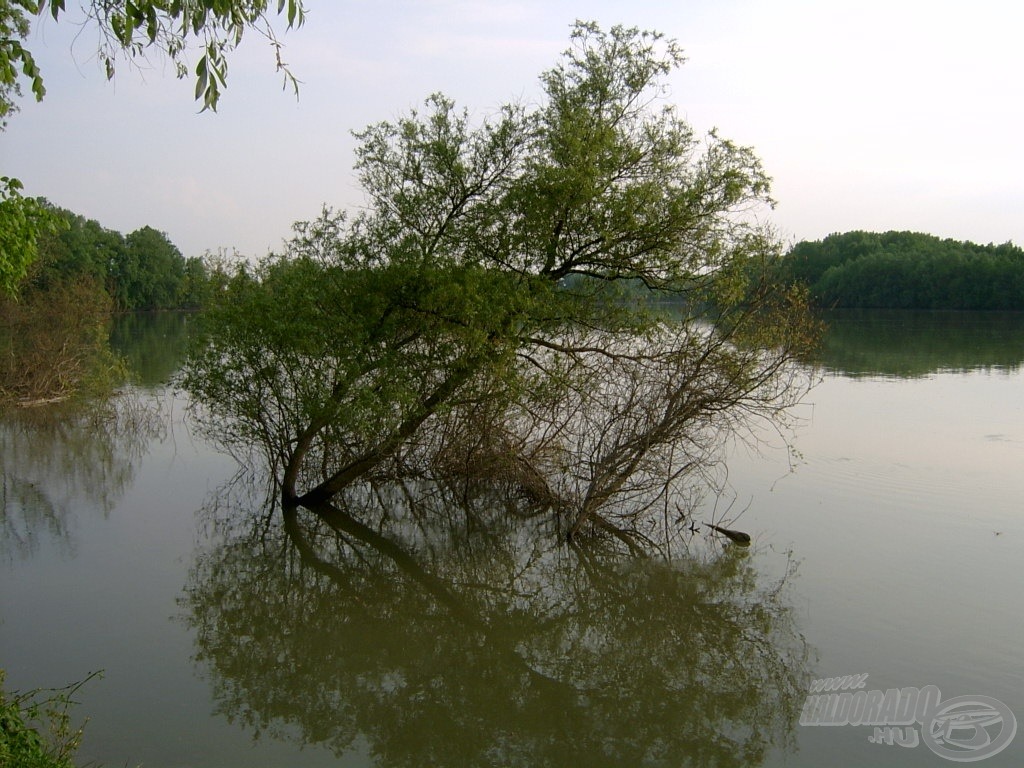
(963, 729)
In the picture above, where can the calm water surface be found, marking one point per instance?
(888, 541)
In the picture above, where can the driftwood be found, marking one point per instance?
(737, 537)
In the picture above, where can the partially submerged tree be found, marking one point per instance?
(470, 309)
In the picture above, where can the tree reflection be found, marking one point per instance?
(910, 344)
(55, 458)
(152, 344)
(410, 621)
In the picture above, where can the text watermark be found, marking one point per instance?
(963, 729)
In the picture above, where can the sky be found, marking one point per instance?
(871, 115)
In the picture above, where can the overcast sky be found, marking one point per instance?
(875, 114)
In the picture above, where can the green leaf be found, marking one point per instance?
(151, 23)
(201, 77)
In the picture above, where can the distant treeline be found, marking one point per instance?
(55, 329)
(906, 270)
(143, 270)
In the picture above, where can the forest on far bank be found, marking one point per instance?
(906, 270)
(142, 270)
(54, 327)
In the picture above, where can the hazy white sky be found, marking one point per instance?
(875, 114)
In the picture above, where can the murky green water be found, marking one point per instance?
(890, 544)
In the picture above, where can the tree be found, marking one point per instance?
(439, 322)
(906, 270)
(54, 322)
(153, 271)
(80, 248)
(142, 270)
(23, 220)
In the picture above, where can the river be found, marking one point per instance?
(888, 539)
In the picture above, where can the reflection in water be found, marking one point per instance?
(422, 629)
(152, 344)
(909, 343)
(58, 457)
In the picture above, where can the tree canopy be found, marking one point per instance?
(907, 270)
(142, 270)
(23, 220)
(439, 329)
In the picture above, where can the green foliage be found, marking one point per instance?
(54, 320)
(15, 61)
(469, 285)
(22, 715)
(136, 28)
(23, 220)
(358, 349)
(907, 270)
(152, 275)
(45, 246)
(196, 286)
(81, 248)
(141, 271)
